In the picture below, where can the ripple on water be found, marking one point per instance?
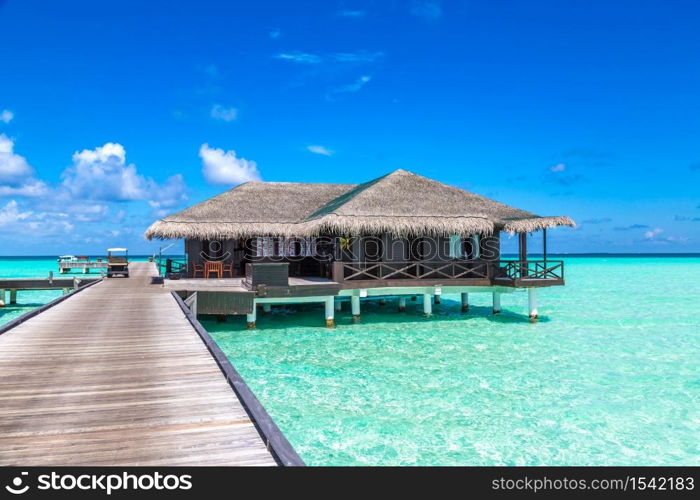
(610, 375)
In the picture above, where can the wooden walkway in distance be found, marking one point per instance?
(118, 376)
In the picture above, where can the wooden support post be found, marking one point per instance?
(338, 305)
(330, 312)
(544, 245)
(532, 303)
(76, 283)
(267, 308)
(355, 305)
(85, 270)
(402, 304)
(465, 302)
(496, 302)
(427, 305)
(13, 296)
(522, 254)
(437, 299)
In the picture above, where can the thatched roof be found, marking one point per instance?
(400, 203)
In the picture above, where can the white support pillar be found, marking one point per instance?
(496, 302)
(267, 308)
(355, 303)
(465, 302)
(330, 312)
(13, 296)
(2, 298)
(338, 305)
(532, 302)
(427, 304)
(66, 291)
(250, 318)
(402, 304)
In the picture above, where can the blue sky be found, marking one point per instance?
(115, 113)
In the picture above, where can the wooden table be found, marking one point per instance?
(213, 266)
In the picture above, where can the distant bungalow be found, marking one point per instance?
(400, 235)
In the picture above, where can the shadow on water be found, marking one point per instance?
(12, 311)
(311, 316)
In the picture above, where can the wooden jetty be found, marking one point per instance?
(15, 285)
(85, 267)
(120, 375)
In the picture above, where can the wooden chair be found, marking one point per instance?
(228, 268)
(197, 268)
(213, 266)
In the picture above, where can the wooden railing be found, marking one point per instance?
(531, 269)
(169, 266)
(449, 270)
(388, 271)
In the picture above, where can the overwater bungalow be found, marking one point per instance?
(403, 235)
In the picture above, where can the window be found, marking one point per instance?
(272, 246)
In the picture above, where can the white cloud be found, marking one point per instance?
(320, 150)
(654, 236)
(275, 33)
(13, 167)
(356, 86)
(559, 167)
(427, 9)
(103, 174)
(6, 116)
(358, 57)
(653, 233)
(10, 214)
(32, 188)
(14, 220)
(224, 167)
(88, 212)
(16, 175)
(219, 112)
(300, 57)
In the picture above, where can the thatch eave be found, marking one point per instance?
(535, 224)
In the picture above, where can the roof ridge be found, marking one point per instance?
(344, 198)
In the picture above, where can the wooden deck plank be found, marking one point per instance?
(117, 376)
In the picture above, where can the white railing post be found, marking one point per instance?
(191, 302)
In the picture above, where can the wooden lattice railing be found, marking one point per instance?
(385, 271)
(449, 270)
(531, 269)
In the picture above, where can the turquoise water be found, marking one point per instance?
(27, 267)
(610, 375)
